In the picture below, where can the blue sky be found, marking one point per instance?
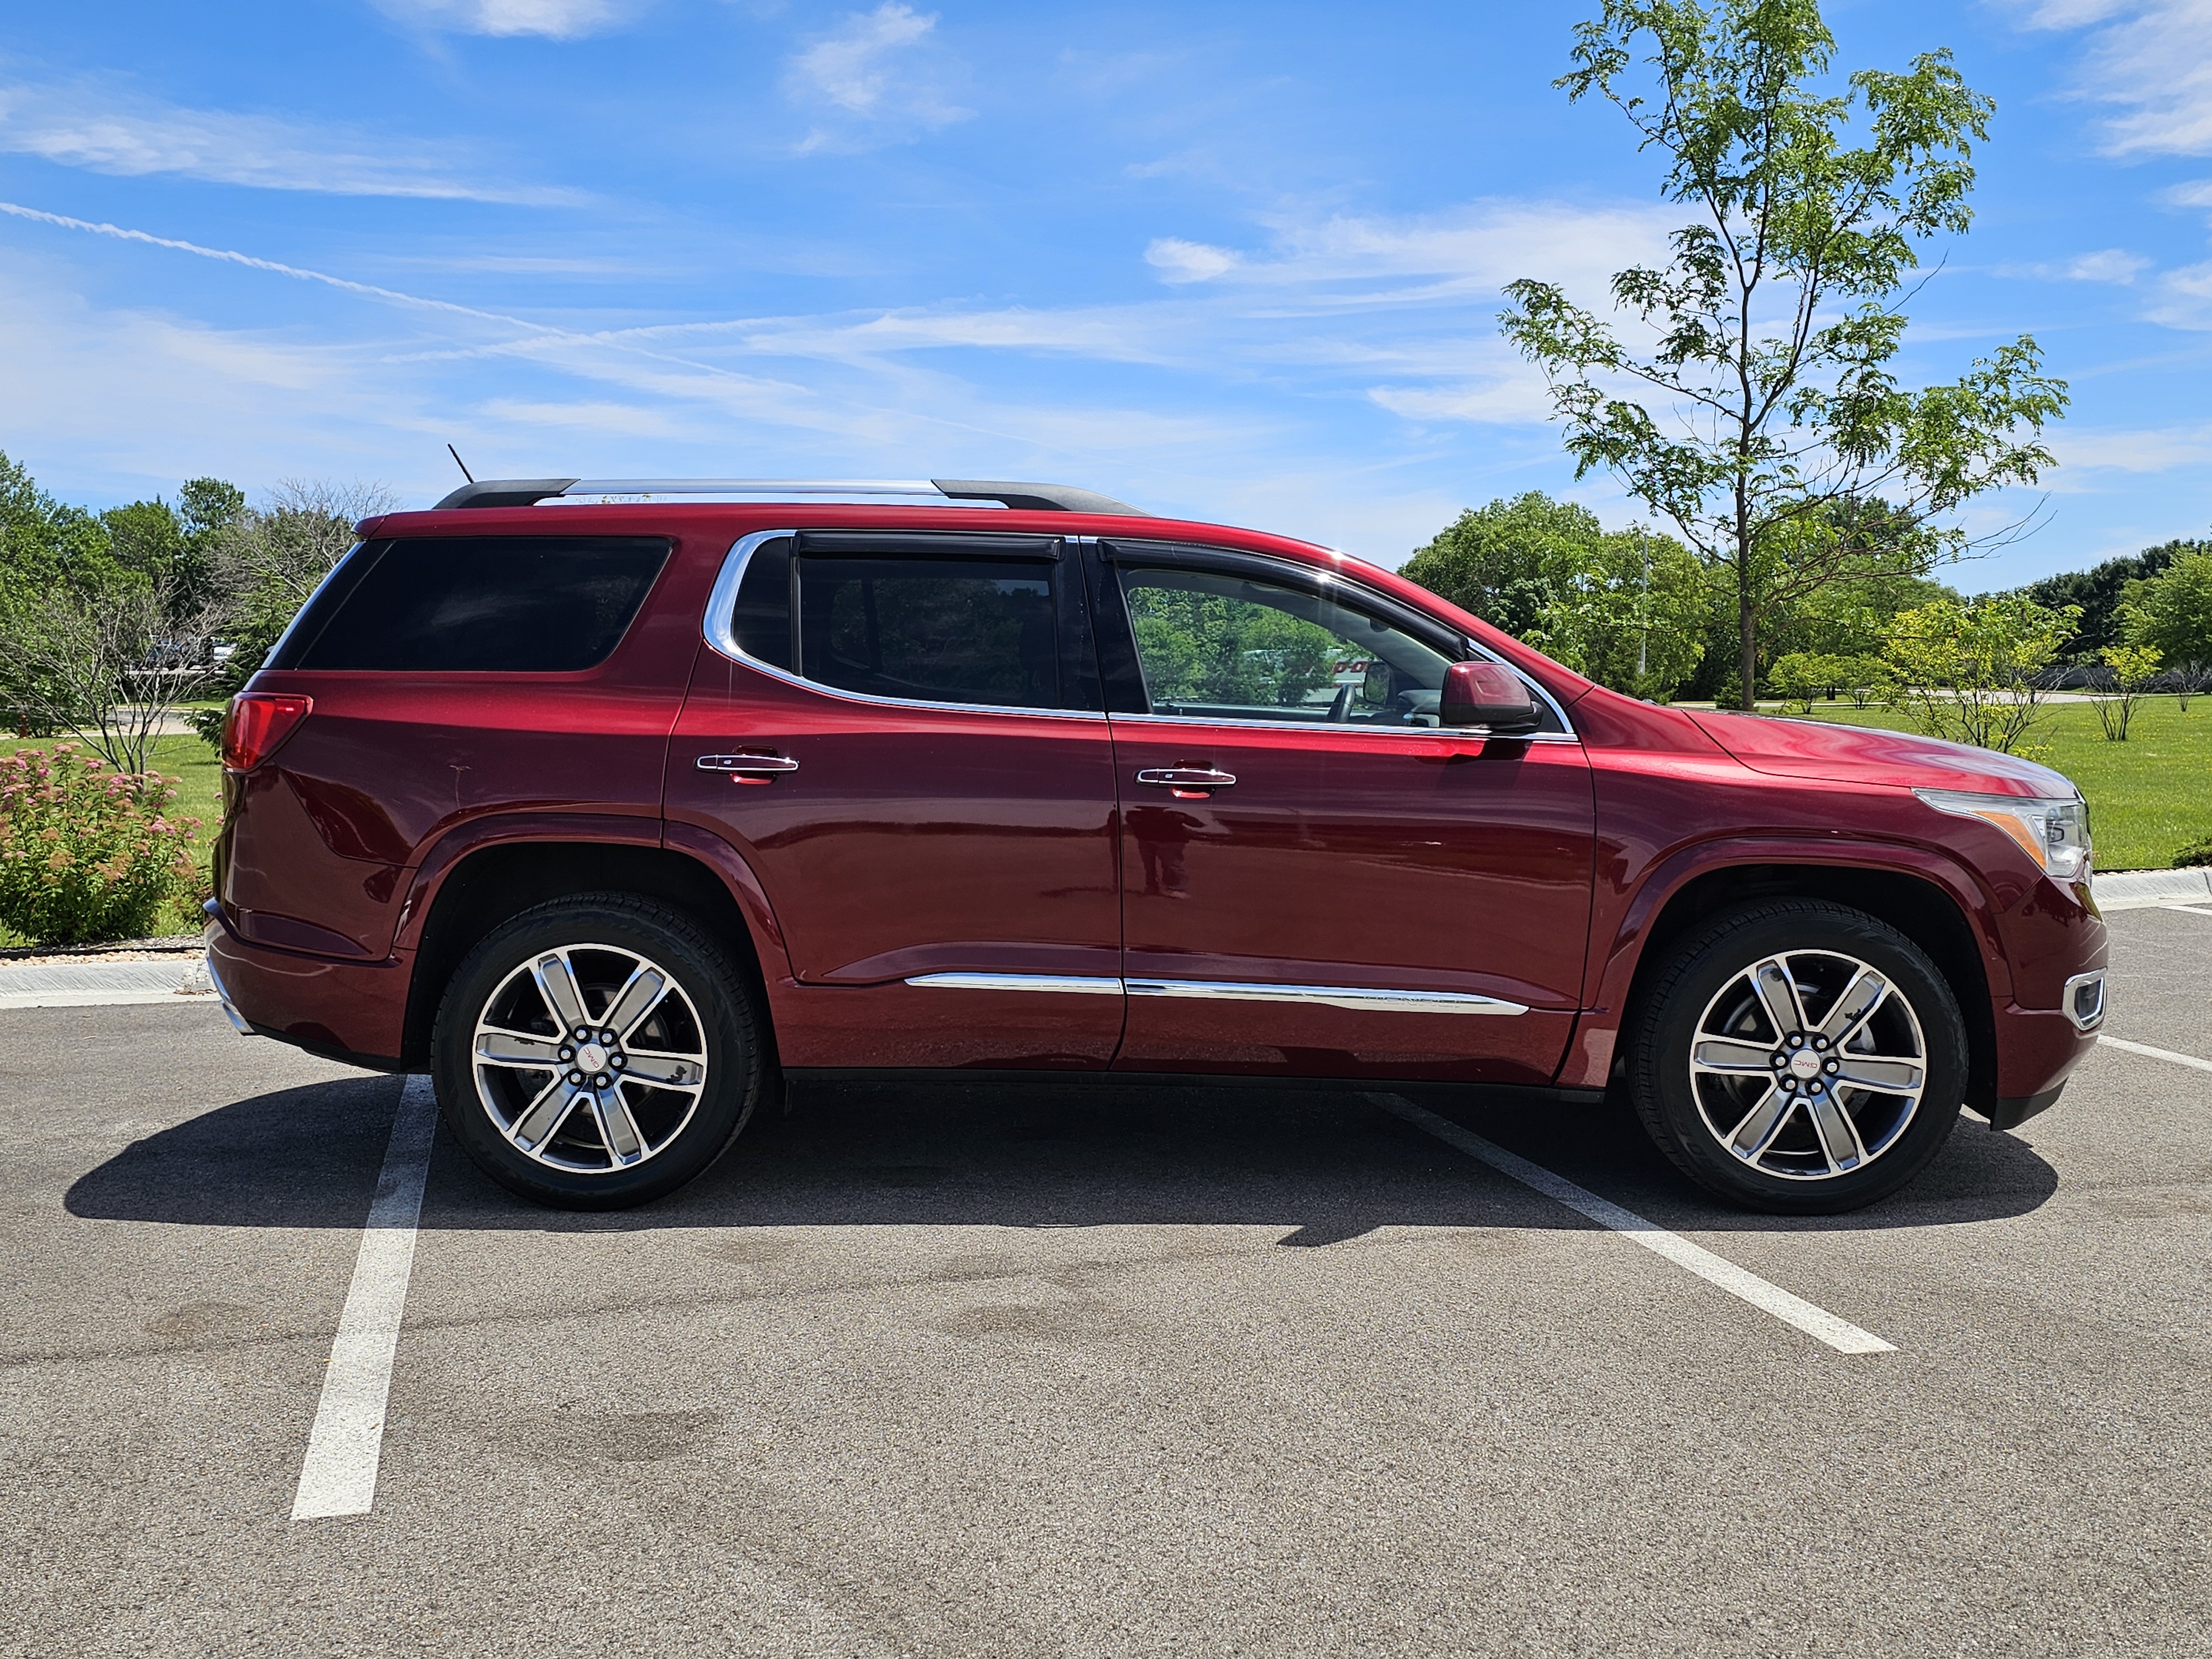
(1232, 261)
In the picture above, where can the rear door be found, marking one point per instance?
(1317, 879)
(904, 736)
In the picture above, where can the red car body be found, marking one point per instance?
(407, 811)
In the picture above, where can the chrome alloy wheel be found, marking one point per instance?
(589, 1058)
(1807, 1064)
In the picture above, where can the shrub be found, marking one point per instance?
(88, 853)
(2197, 852)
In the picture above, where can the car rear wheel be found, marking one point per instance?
(597, 1052)
(1798, 1057)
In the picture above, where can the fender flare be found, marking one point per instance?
(1612, 975)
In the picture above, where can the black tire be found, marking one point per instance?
(638, 1136)
(1709, 979)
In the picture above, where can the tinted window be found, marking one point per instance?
(1237, 648)
(760, 620)
(937, 630)
(485, 604)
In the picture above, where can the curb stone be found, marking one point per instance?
(2140, 890)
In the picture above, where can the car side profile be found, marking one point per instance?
(616, 803)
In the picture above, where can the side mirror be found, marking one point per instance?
(1488, 694)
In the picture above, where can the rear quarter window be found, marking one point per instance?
(512, 605)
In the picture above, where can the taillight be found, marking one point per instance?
(258, 722)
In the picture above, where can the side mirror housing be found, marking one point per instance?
(1488, 694)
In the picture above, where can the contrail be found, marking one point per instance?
(230, 257)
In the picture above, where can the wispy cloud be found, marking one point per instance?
(880, 78)
(2110, 264)
(554, 20)
(2151, 59)
(91, 124)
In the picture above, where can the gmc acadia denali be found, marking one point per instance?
(613, 804)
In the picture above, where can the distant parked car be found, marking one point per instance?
(611, 814)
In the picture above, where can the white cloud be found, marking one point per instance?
(1178, 261)
(881, 78)
(2152, 60)
(89, 125)
(2110, 264)
(555, 20)
(2159, 450)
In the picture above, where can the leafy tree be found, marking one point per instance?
(2171, 614)
(1625, 607)
(2133, 667)
(1766, 444)
(1968, 672)
(2102, 590)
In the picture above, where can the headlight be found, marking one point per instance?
(2056, 833)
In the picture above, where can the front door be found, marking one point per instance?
(902, 735)
(1317, 880)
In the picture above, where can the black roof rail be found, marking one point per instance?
(1032, 497)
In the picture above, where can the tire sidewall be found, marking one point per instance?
(1659, 1066)
(734, 1063)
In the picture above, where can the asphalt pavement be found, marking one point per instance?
(970, 1371)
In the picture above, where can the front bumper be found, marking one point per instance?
(354, 1011)
(2036, 1048)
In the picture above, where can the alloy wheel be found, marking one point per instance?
(1807, 1064)
(589, 1058)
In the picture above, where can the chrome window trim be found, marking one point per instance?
(1069, 984)
(722, 607)
(1358, 999)
(1471, 648)
(1410, 732)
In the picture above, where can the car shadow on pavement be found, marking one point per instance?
(1324, 1165)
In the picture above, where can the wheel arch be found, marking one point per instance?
(1935, 907)
(485, 884)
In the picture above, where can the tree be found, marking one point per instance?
(1626, 608)
(2171, 614)
(111, 664)
(1968, 672)
(2133, 667)
(266, 562)
(1766, 445)
(2101, 591)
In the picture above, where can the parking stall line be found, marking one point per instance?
(338, 1476)
(2145, 1049)
(1817, 1322)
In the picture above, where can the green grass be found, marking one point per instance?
(2148, 797)
(198, 772)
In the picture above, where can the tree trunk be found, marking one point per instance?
(1747, 636)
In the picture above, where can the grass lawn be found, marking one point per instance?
(198, 772)
(2148, 797)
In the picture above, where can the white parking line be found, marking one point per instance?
(1839, 1334)
(2145, 1048)
(339, 1474)
(2188, 909)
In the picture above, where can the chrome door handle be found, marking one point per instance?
(1186, 777)
(748, 766)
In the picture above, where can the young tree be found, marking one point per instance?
(1968, 672)
(1764, 414)
(110, 663)
(2133, 667)
(2171, 614)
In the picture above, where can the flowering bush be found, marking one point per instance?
(87, 853)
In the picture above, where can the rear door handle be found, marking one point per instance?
(1187, 782)
(750, 769)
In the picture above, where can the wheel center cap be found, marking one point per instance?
(592, 1058)
(1804, 1064)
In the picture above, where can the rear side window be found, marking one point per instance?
(932, 629)
(509, 605)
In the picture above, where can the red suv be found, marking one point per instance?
(613, 804)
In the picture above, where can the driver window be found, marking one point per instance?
(1222, 646)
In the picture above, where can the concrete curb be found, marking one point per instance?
(2142, 889)
(97, 984)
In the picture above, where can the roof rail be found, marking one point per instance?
(949, 492)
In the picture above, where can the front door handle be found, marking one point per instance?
(1187, 782)
(749, 768)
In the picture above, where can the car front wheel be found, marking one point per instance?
(597, 1052)
(1798, 1057)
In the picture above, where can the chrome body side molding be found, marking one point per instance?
(1360, 1000)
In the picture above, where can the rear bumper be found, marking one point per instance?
(354, 1011)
